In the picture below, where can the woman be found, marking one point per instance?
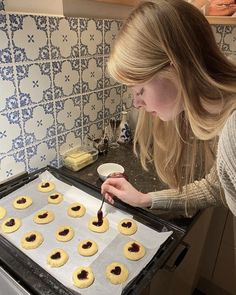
(185, 89)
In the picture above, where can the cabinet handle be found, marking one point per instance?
(179, 258)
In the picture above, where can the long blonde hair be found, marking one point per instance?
(156, 34)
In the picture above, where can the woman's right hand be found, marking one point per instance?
(123, 190)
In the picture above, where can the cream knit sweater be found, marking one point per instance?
(217, 188)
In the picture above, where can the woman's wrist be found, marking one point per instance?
(145, 201)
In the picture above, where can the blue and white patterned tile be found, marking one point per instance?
(8, 99)
(66, 78)
(108, 80)
(92, 74)
(42, 154)
(2, 6)
(64, 37)
(112, 104)
(94, 130)
(111, 30)
(11, 132)
(68, 114)
(12, 164)
(218, 31)
(92, 107)
(29, 37)
(127, 97)
(34, 83)
(69, 140)
(5, 51)
(38, 122)
(91, 37)
(229, 39)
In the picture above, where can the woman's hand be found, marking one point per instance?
(123, 190)
(220, 7)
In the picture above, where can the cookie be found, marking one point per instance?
(57, 257)
(134, 250)
(46, 186)
(83, 277)
(55, 198)
(64, 233)
(76, 210)
(11, 224)
(22, 202)
(127, 227)
(98, 226)
(43, 216)
(3, 212)
(87, 248)
(117, 273)
(31, 240)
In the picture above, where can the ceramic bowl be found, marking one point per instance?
(105, 169)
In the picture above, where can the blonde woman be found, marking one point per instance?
(185, 89)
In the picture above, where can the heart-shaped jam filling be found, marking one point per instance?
(57, 255)
(76, 208)
(98, 223)
(134, 248)
(46, 184)
(116, 271)
(21, 201)
(44, 215)
(54, 197)
(64, 232)
(11, 222)
(31, 238)
(127, 224)
(83, 275)
(87, 245)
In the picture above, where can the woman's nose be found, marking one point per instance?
(138, 102)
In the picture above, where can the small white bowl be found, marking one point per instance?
(105, 169)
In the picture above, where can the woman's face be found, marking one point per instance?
(158, 97)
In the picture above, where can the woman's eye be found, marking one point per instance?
(140, 92)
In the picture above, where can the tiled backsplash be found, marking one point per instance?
(54, 88)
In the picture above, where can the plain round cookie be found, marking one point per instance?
(134, 250)
(83, 277)
(3, 212)
(117, 273)
(98, 227)
(127, 227)
(46, 186)
(87, 248)
(57, 257)
(31, 240)
(64, 233)
(76, 210)
(11, 224)
(22, 202)
(55, 198)
(43, 217)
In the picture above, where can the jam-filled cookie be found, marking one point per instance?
(87, 248)
(31, 240)
(3, 212)
(127, 227)
(64, 233)
(57, 257)
(134, 250)
(11, 224)
(117, 273)
(97, 225)
(46, 186)
(83, 277)
(22, 202)
(76, 210)
(55, 198)
(43, 216)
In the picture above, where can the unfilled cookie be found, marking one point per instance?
(127, 227)
(83, 277)
(46, 186)
(87, 248)
(3, 212)
(76, 210)
(57, 257)
(31, 240)
(134, 250)
(22, 202)
(97, 226)
(55, 198)
(64, 233)
(43, 217)
(117, 273)
(11, 224)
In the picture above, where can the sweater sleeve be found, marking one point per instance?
(197, 195)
